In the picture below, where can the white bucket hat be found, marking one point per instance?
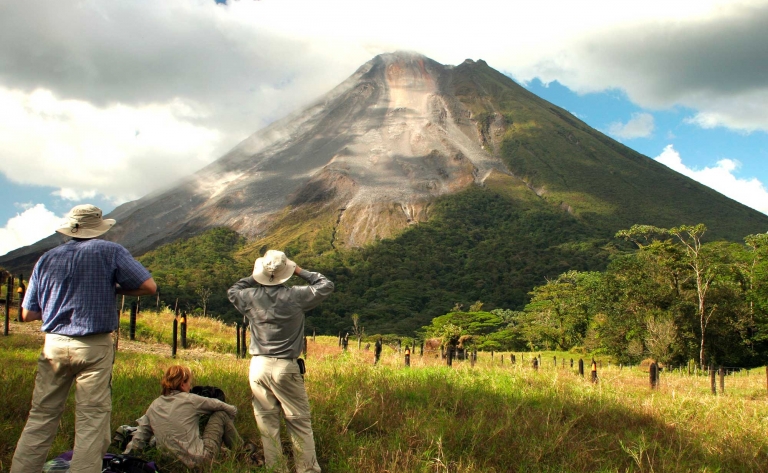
(273, 268)
(85, 222)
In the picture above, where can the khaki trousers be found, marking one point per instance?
(87, 362)
(278, 386)
(220, 428)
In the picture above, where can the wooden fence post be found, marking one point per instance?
(305, 347)
(175, 330)
(712, 379)
(449, 356)
(184, 331)
(8, 299)
(132, 322)
(117, 332)
(237, 328)
(377, 351)
(535, 364)
(21, 291)
(581, 367)
(594, 371)
(722, 380)
(243, 345)
(554, 358)
(502, 359)
(653, 372)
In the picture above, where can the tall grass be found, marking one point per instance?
(431, 418)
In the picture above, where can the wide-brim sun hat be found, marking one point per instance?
(85, 221)
(273, 268)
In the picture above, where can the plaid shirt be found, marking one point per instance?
(73, 285)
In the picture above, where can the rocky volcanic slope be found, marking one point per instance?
(371, 155)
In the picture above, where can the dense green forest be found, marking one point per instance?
(478, 245)
(508, 275)
(675, 299)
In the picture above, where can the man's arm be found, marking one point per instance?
(317, 290)
(147, 288)
(234, 293)
(30, 315)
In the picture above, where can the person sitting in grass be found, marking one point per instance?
(174, 420)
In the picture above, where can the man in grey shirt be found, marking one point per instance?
(275, 314)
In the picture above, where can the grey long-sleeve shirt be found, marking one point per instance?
(276, 313)
(175, 422)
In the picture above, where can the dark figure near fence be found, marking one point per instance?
(72, 290)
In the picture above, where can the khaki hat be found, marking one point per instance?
(273, 268)
(85, 222)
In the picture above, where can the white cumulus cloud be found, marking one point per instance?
(641, 125)
(119, 151)
(33, 224)
(722, 178)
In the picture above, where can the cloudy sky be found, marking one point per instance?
(103, 102)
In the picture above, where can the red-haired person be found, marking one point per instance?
(174, 420)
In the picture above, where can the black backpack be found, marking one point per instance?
(127, 464)
(209, 391)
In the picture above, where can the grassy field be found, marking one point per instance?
(492, 417)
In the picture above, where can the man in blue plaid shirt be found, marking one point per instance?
(72, 290)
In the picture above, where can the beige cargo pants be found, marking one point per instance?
(278, 386)
(87, 362)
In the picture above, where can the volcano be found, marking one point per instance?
(369, 158)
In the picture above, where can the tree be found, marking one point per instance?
(205, 294)
(661, 333)
(559, 311)
(703, 266)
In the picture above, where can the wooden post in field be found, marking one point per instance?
(407, 356)
(653, 374)
(571, 363)
(117, 332)
(502, 359)
(491, 356)
(712, 383)
(237, 328)
(8, 299)
(540, 360)
(554, 358)
(722, 380)
(377, 351)
(421, 348)
(21, 291)
(472, 358)
(305, 347)
(581, 367)
(184, 331)
(449, 356)
(359, 341)
(594, 371)
(175, 333)
(535, 364)
(243, 345)
(132, 322)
